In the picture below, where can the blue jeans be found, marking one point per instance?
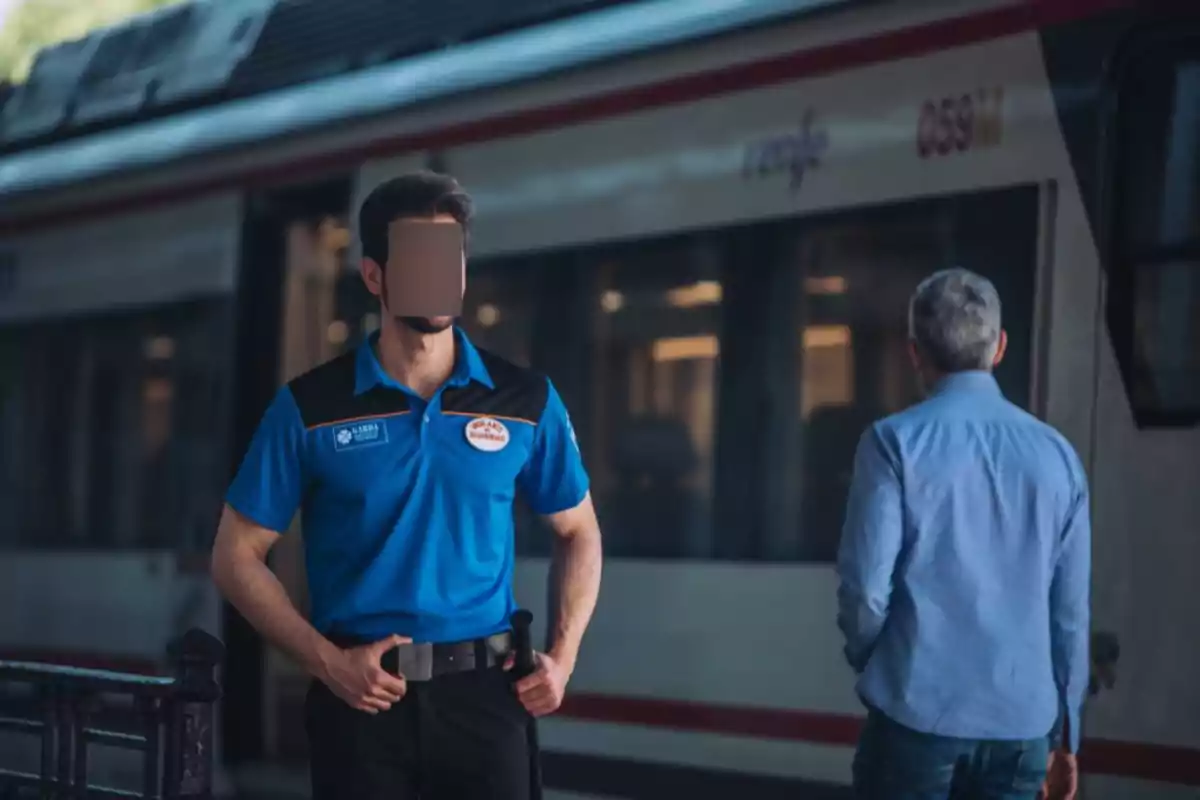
(896, 763)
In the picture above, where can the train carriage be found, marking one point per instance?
(703, 221)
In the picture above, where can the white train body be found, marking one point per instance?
(708, 247)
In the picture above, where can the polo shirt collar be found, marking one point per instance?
(468, 366)
(968, 381)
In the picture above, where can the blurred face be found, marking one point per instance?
(423, 282)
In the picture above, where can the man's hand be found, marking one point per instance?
(1062, 777)
(541, 691)
(355, 676)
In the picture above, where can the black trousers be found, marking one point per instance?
(460, 736)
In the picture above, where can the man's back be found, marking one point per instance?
(986, 493)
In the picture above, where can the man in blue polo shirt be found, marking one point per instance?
(406, 456)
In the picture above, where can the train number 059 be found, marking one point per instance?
(961, 123)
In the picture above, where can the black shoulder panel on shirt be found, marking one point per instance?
(519, 393)
(325, 395)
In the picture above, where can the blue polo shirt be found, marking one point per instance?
(407, 504)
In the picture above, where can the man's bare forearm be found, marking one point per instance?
(252, 588)
(574, 587)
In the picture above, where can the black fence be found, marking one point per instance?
(169, 720)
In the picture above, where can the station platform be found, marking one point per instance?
(290, 782)
(273, 782)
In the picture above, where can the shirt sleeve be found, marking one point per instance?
(1070, 616)
(270, 480)
(870, 546)
(554, 479)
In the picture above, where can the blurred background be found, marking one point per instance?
(703, 219)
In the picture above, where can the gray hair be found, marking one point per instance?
(954, 318)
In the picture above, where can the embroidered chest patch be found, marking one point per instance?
(353, 435)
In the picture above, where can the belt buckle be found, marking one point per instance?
(415, 661)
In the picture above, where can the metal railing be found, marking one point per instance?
(169, 720)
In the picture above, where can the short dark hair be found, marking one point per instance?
(414, 195)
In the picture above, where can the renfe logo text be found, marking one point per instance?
(794, 153)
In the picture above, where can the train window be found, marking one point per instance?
(630, 336)
(719, 381)
(114, 429)
(1154, 297)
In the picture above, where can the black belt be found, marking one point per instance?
(427, 660)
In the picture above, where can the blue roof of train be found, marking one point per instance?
(275, 73)
(129, 71)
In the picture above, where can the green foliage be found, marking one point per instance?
(35, 24)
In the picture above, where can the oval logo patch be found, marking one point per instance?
(487, 434)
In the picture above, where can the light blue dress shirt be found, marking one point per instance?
(964, 568)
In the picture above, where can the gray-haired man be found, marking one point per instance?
(964, 568)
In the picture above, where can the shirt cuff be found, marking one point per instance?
(1065, 733)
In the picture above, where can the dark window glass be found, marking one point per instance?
(1154, 301)
(719, 381)
(1166, 312)
(115, 428)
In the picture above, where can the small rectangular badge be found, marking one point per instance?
(366, 433)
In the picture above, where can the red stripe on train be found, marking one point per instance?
(1177, 765)
(888, 46)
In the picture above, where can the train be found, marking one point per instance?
(703, 221)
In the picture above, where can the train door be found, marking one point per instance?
(1146, 443)
(302, 302)
(294, 242)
